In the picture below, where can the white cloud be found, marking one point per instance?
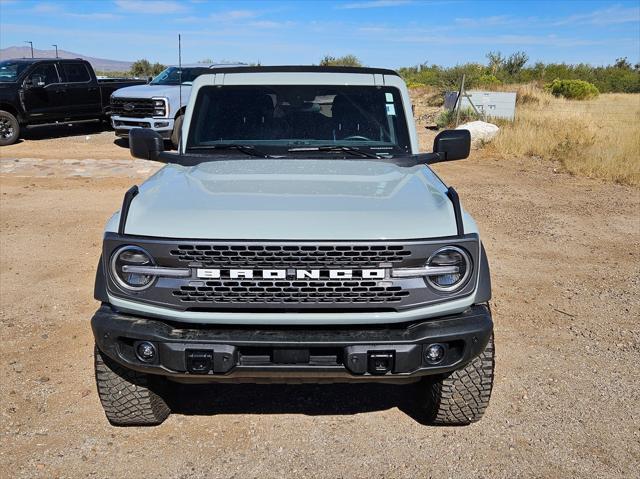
(151, 6)
(496, 20)
(93, 16)
(375, 4)
(231, 15)
(608, 16)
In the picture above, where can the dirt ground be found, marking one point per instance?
(565, 259)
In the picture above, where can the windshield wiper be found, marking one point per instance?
(246, 149)
(347, 149)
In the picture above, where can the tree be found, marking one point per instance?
(496, 60)
(515, 62)
(344, 61)
(144, 68)
(622, 63)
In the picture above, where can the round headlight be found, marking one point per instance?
(450, 256)
(131, 256)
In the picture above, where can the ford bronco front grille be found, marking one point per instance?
(290, 292)
(252, 291)
(290, 256)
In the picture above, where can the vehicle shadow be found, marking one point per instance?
(121, 142)
(307, 399)
(48, 132)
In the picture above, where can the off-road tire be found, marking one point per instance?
(461, 397)
(128, 397)
(9, 128)
(175, 134)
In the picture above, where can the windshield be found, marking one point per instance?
(286, 118)
(171, 76)
(11, 71)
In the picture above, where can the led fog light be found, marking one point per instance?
(146, 351)
(434, 353)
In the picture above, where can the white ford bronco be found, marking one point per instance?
(296, 235)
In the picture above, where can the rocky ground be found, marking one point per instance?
(565, 258)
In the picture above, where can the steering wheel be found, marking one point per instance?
(357, 137)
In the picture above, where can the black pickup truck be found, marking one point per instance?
(36, 91)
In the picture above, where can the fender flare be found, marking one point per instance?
(483, 294)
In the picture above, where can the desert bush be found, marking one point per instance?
(573, 89)
(144, 68)
(488, 81)
(513, 69)
(447, 119)
(343, 61)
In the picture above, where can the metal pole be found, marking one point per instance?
(459, 100)
(56, 50)
(180, 88)
(30, 43)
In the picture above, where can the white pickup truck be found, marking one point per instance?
(159, 105)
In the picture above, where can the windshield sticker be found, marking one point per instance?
(391, 109)
(389, 97)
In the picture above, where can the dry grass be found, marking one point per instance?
(599, 138)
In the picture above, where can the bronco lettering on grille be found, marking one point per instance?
(208, 273)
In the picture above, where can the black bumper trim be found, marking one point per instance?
(333, 352)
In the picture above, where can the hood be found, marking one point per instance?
(292, 199)
(150, 91)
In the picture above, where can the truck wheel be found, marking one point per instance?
(461, 397)
(175, 134)
(127, 396)
(9, 128)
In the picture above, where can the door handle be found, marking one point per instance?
(61, 90)
(93, 88)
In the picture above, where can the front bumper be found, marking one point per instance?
(122, 125)
(281, 354)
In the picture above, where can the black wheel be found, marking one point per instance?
(9, 128)
(129, 398)
(461, 397)
(177, 128)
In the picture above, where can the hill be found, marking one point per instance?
(100, 64)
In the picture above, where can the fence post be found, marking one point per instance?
(458, 100)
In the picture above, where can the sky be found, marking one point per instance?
(383, 33)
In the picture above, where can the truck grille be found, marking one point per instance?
(290, 256)
(290, 292)
(132, 107)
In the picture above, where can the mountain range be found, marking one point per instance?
(99, 64)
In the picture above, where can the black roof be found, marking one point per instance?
(34, 60)
(302, 68)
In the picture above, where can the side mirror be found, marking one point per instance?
(452, 145)
(145, 144)
(35, 81)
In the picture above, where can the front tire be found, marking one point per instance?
(175, 134)
(9, 128)
(129, 398)
(461, 397)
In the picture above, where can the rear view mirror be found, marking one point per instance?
(145, 144)
(452, 145)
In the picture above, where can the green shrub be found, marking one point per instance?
(447, 119)
(343, 61)
(488, 80)
(415, 84)
(573, 89)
